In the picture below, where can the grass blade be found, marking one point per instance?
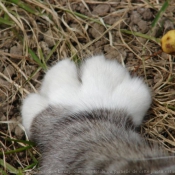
(16, 150)
(53, 50)
(30, 166)
(24, 6)
(157, 40)
(10, 168)
(33, 157)
(21, 141)
(159, 14)
(36, 59)
(3, 172)
(7, 22)
(42, 58)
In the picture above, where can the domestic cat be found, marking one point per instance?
(84, 121)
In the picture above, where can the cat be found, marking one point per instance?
(84, 121)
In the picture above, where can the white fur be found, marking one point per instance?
(61, 84)
(104, 84)
(134, 96)
(32, 106)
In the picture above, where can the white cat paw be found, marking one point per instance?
(104, 84)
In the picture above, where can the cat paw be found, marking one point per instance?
(32, 105)
(61, 83)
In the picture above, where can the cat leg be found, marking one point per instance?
(32, 106)
(61, 84)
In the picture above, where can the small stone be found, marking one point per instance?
(16, 50)
(18, 132)
(9, 71)
(135, 17)
(97, 30)
(147, 15)
(143, 25)
(101, 9)
(49, 39)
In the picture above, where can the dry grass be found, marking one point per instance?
(35, 34)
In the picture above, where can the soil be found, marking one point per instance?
(80, 38)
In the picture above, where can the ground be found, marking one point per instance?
(36, 34)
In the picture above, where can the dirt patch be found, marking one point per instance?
(78, 30)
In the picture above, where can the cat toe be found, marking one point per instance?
(134, 96)
(31, 107)
(61, 82)
(102, 73)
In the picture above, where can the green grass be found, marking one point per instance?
(23, 5)
(160, 13)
